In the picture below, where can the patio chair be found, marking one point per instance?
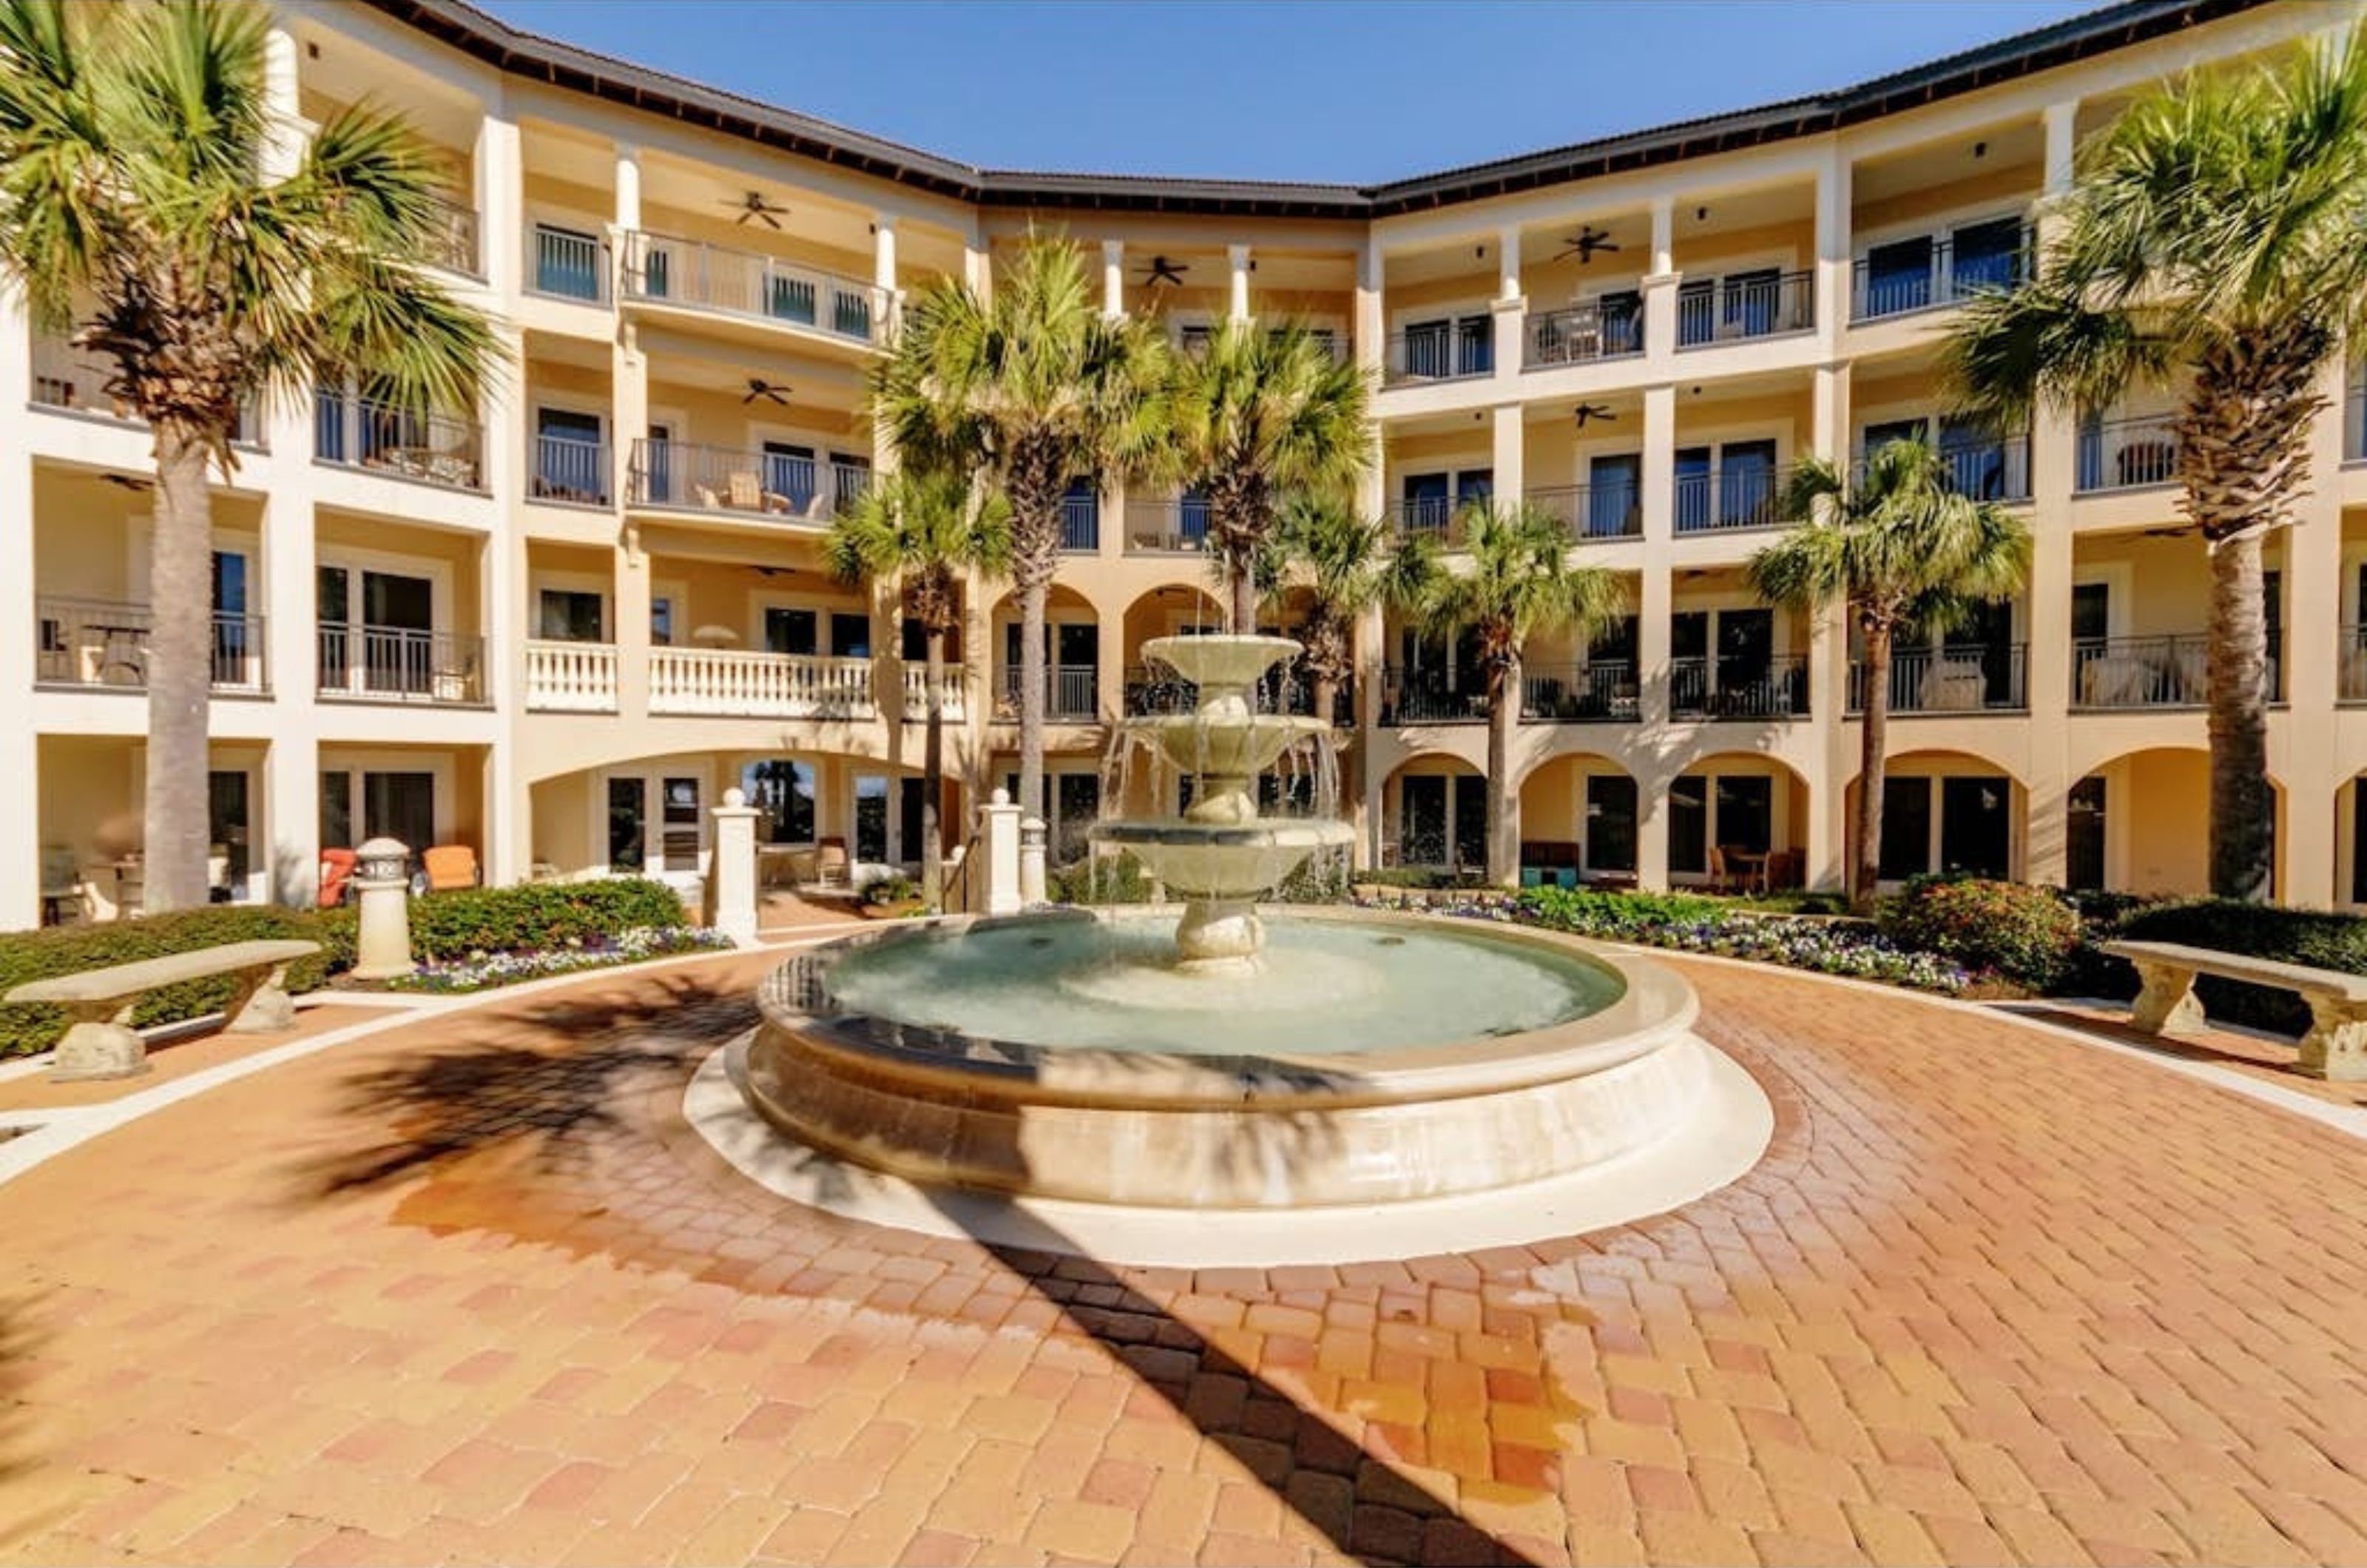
(747, 494)
(66, 897)
(449, 867)
(831, 866)
(337, 871)
(1721, 876)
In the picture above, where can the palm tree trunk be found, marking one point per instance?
(180, 672)
(1245, 594)
(1873, 738)
(1033, 676)
(1325, 693)
(2243, 805)
(932, 774)
(1504, 800)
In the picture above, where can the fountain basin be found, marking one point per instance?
(1311, 1100)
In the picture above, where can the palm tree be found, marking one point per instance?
(137, 216)
(1900, 547)
(1518, 582)
(2210, 240)
(1034, 388)
(1347, 565)
(1256, 415)
(924, 530)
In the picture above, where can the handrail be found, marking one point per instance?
(1596, 512)
(668, 269)
(1940, 281)
(1579, 334)
(2127, 454)
(99, 642)
(1716, 310)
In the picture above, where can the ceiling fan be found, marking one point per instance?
(773, 392)
(756, 204)
(1594, 410)
(1585, 243)
(1159, 270)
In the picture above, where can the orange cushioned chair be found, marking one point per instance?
(450, 866)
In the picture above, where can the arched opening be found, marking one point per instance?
(1578, 822)
(2140, 823)
(1435, 815)
(1948, 811)
(1737, 821)
(1072, 657)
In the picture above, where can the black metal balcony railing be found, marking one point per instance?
(664, 268)
(1601, 329)
(454, 245)
(1150, 689)
(1944, 274)
(1991, 469)
(570, 266)
(566, 470)
(1070, 692)
(1430, 696)
(97, 642)
(434, 448)
(1605, 510)
(1729, 687)
(1437, 518)
(732, 479)
(1167, 527)
(1439, 353)
(1080, 524)
(2127, 454)
(1748, 496)
(74, 380)
(1601, 691)
(1967, 678)
(401, 664)
(1721, 310)
(2171, 670)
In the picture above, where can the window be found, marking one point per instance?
(912, 641)
(1746, 812)
(680, 843)
(1421, 819)
(871, 818)
(566, 615)
(783, 790)
(1689, 823)
(1746, 484)
(1460, 345)
(788, 630)
(232, 645)
(1470, 820)
(2091, 612)
(1906, 829)
(1692, 488)
(2084, 835)
(226, 829)
(1620, 312)
(1975, 832)
(1076, 807)
(1987, 256)
(1610, 822)
(1427, 508)
(1898, 275)
(567, 263)
(627, 822)
(337, 811)
(568, 461)
(790, 473)
(1748, 303)
(1614, 496)
(850, 636)
(1474, 487)
(399, 807)
(662, 620)
(1878, 437)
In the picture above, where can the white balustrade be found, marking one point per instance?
(571, 677)
(916, 693)
(734, 683)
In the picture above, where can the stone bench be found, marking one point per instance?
(100, 1042)
(2336, 1046)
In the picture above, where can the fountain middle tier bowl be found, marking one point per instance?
(1234, 748)
(1369, 1057)
(1215, 861)
(1220, 659)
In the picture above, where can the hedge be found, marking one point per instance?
(537, 915)
(69, 950)
(2318, 938)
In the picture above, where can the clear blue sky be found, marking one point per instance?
(1340, 91)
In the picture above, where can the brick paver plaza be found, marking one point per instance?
(471, 1291)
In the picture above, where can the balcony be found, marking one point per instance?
(1071, 693)
(1986, 468)
(2127, 453)
(568, 472)
(1595, 513)
(569, 265)
(427, 448)
(1722, 498)
(401, 664)
(2164, 671)
(1080, 524)
(1968, 679)
(73, 381)
(1166, 527)
(1601, 691)
(1599, 329)
(2350, 679)
(1929, 271)
(103, 644)
(1440, 351)
(1416, 696)
(738, 683)
(1713, 312)
(454, 245)
(729, 481)
(660, 269)
(1733, 688)
(1437, 518)
(952, 705)
(571, 677)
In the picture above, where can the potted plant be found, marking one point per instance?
(891, 898)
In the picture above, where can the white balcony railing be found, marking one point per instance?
(74, 380)
(735, 682)
(916, 693)
(571, 677)
(667, 270)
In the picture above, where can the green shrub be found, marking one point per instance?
(1618, 913)
(1106, 879)
(539, 915)
(1320, 878)
(1415, 876)
(67, 950)
(892, 889)
(2318, 938)
(2026, 934)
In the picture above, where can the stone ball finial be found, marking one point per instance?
(1002, 797)
(735, 798)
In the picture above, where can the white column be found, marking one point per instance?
(1660, 285)
(1828, 668)
(1237, 258)
(978, 266)
(1001, 834)
(1510, 309)
(1510, 452)
(20, 795)
(2312, 588)
(1664, 234)
(883, 252)
(2062, 121)
(1371, 498)
(1113, 279)
(283, 144)
(290, 841)
(731, 878)
(1508, 262)
(1655, 599)
(1832, 244)
(629, 185)
(501, 205)
(631, 579)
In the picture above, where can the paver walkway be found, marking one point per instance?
(470, 1291)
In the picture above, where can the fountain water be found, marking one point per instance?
(1220, 854)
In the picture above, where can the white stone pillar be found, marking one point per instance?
(20, 793)
(1001, 836)
(1660, 285)
(731, 874)
(1507, 263)
(1372, 667)
(628, 187)
(1833, 268)
(1031, 862)
(284, 135)
(1113, 279)
(1828, 664)
(1237, 258)
(1510, 453)
(1655, 604)
(501, 205)
(631, 568)
(2062, 121)
(2313, 584)
(382, 882)
(883, 271)
(290, 834)
(1370, 341)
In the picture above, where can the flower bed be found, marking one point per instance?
(484, 971)
(1703, 925)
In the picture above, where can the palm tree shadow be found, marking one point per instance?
(20, 1343)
